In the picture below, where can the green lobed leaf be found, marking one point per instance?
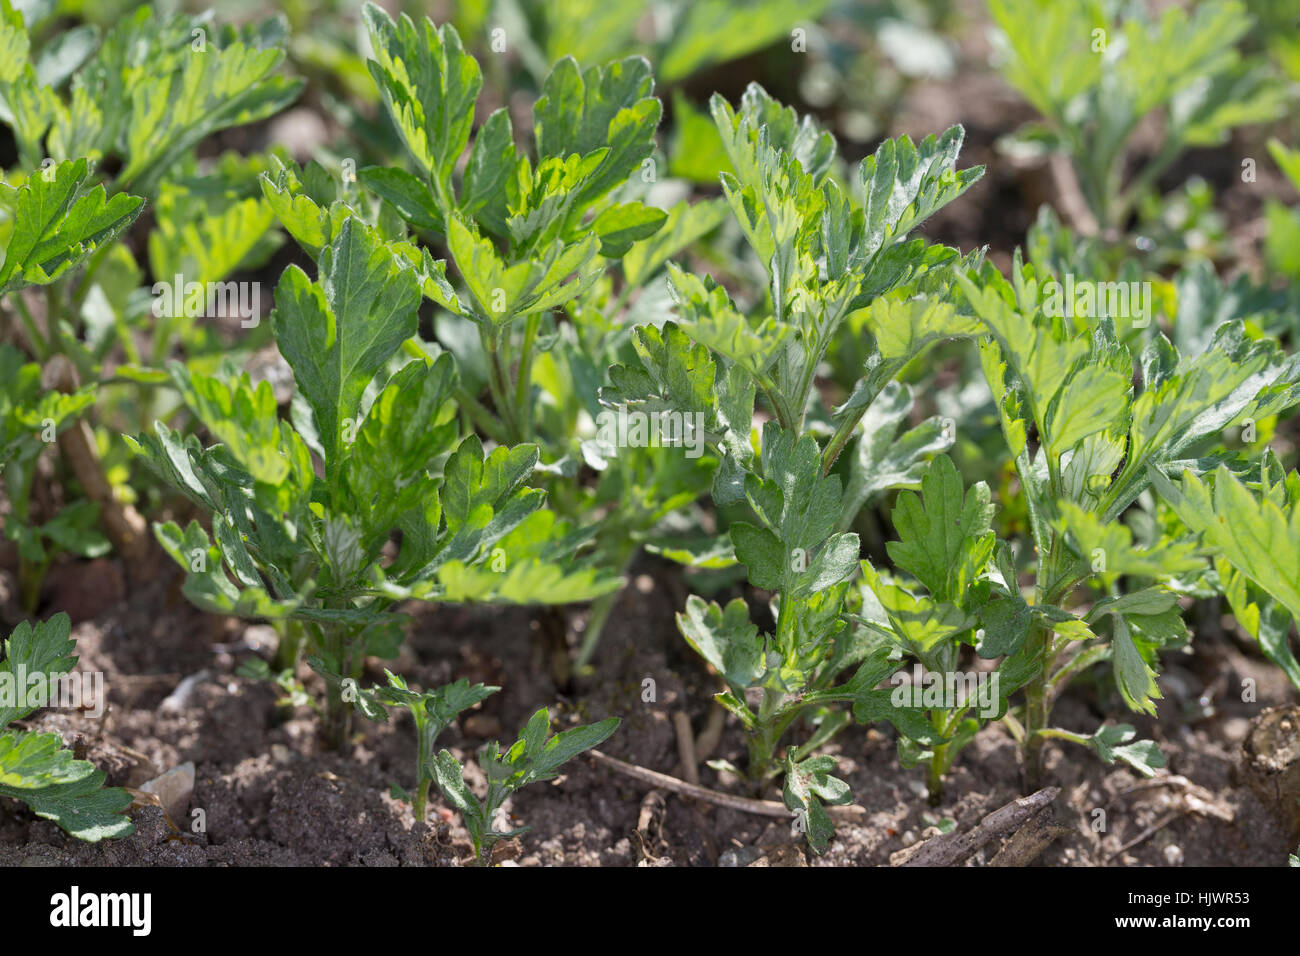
(945, 537)
(57, 224)
(726, 639)
(339, 332)
(428, 84)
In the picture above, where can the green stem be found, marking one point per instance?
(806, 384)
(600, 611)
(774, 400)
(127, 341)
(498, 383)
(604, 605)
(841, 438)
(523, 384)
(31, 576)
(1037, 706)
(1146, 178)
(164, 328)
(940, 759)
(479, 416)
(40, 345)
(934, 777)
(425, 732)
(1061, 679)
(290, 647)
(1060, 734)
(1016, 728)
(338, 712)
(762, 743)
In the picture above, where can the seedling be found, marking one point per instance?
(946, 543)
(433, 712)
(99, 127)
(531, 236)
(535, 757)
(527, 236)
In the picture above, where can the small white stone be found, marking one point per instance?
(174, 788)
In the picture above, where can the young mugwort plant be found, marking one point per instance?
(825, 257)
(1088, 445)
(532, 238)
(534, 758)
(947, 545)
(293, 543)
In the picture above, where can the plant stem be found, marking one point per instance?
(600, 611)
(1146, 179)
(523, 384)
(1037, 707)
(762, 743)
(601, 608)
(1082, 661)
(934, 777)
(479, 416)
(425, 731)
(1016, 728)
(499, 383)
(1060, 734)
(421, 799)
(31, 575)
(940, 759)
(841, 438)
(40, 345)
(286, 654)
(338, 712)
(124, 525)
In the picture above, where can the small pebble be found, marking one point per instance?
(174, 788)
